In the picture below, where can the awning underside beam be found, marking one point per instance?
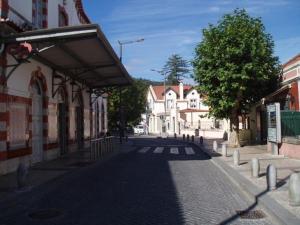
(81, 53)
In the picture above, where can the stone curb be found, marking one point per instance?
(271, 206)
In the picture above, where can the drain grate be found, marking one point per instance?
(252, 214)
(45, 214)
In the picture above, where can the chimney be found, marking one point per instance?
(181, 90)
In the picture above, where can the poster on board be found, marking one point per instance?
(274, 123)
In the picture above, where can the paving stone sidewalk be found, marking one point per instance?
(285, 167)
(48, 171)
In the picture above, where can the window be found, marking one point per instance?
(169, 103)
(193, 103)
(17, 125)
(72, 121)
(63, 19)
(39, 13)
(86, 123)
(52, 123)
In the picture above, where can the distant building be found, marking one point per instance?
(180, 106)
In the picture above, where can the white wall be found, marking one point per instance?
(182, 105)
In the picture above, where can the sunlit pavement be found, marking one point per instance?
(162, 182)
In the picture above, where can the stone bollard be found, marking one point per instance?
(201, 140)
(294, 189)
(22, 173)
(183, 136)
(215, 146)
(193, 138)
(255, 167)
(175, 135)
(271, 177)
(236, 157)
(224, 150)
(188, 137)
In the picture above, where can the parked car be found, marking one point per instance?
(139, 129)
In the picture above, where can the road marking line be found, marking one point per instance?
(174, 151)
(158, 150)
(144, 150)
(189, 151)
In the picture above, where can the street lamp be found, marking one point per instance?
(161, 72)
(121, 43)
(121, 124)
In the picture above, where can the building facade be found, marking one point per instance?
(288, 96)
(49, 104)
(177, 109)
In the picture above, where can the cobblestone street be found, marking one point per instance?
(161, 182)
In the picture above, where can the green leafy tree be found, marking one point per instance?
(235, 67)
(133, 103)
(176, 68)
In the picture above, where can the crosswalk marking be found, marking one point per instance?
(189, 151)
(158, 150)
(174, 151)
(144, 150)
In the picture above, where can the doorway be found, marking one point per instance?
(62, 123)
(37, 123)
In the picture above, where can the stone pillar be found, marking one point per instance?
(271, 177)
(224, 150)
(193, 138)
(236, 157)
(255, 167)
(294, 189)
(22, 173)
(215, 146)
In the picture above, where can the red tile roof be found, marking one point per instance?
(291, 61)
(159, 90)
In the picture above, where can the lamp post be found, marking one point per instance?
(121, 124)
(161, 72)
(121, 43)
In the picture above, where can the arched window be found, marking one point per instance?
(63, 19)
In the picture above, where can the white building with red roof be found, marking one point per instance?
(175, 109)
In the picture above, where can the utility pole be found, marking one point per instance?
(121, 108)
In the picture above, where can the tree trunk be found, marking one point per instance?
(234, 140)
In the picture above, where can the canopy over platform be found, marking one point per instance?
(81, 52)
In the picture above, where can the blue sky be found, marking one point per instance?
(174, 26)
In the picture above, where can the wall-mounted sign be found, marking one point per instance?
(274, 123)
